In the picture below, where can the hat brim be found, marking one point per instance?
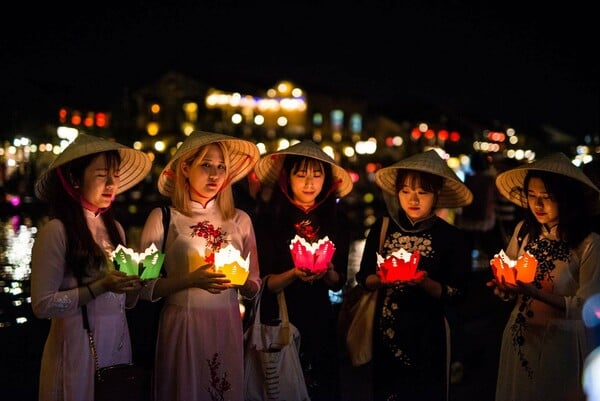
(243, 156)
(453, 194)
(510, 183)
(268, 168)
(135, 165)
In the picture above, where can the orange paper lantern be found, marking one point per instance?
(522, 269)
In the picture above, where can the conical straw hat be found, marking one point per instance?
(510, 182)
(243, 156)
(135, 165)
(269, 166)
(453, 193)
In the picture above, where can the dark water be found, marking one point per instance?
(22, 335)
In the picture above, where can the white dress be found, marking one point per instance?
(67, 368)
(543, 349)
(199, 353)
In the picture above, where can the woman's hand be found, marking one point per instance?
(119, 282)
(505, 291)
(307, 275)
(205, 277)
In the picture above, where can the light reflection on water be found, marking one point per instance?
(16, 236)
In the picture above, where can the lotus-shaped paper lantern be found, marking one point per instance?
(229, 261)
(399, 266)
(522, 269)
(148, 263)
(312, 256)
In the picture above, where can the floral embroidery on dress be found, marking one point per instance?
(546, 252)
(306, 230)
(62, 303)
(410, 243)
(215, 237)
(219, 384)
(388, 333)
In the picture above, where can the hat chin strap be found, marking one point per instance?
(75, 194)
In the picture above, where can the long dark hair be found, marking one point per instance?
(573, 221)
(83, 255)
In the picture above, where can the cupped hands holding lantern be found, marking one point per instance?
(508, 291)
(206, 278)
(309, 275)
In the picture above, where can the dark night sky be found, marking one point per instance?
(522, 67)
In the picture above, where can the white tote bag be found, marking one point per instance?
(272, 369)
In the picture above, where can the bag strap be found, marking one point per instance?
(86, 326)
(166, 221)
(384, 227)
(254, 330)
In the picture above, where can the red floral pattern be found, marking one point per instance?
(215, 238)
(306, 230)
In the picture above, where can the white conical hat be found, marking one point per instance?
(510, 182)
(454, 192)
(243, 156)
(135, 165)
(269, 166)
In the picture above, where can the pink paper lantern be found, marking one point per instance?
(312, 256)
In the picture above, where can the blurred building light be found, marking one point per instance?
(282, 121)
(236, 118)
(68, 133)
(329, 150)
(152, 128)
(160, 146)
(262, 148)
(349, 151)
(283, 144)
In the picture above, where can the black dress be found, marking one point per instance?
(411, 336)
(309, 305)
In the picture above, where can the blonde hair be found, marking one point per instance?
(180, 198)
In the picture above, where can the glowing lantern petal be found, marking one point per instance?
(312, 256)
(399, 266)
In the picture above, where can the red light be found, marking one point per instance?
(76, 119)
(62, 115)
(415, 134)
(89, 120)
(101, 120)
(371, 167)
(454, 136)
(443, 135)
(429, 134)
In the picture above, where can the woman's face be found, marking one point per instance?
(543, 205)
(100, 182)
(307, 184)
(416, 202)
(206, 175)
